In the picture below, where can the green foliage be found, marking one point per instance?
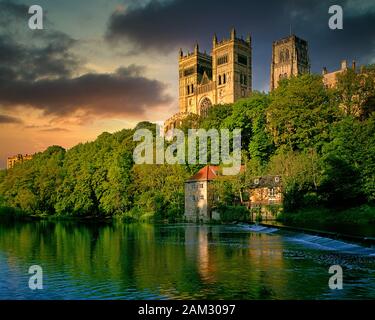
(216, 115)
(233, 213)
(249, 115)
(321, 141)
(301, 113)
(95, 179)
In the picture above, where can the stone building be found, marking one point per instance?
(330, 78)
(265, 190)
(19, 158)
(199, 195)
(290, 57)
(205, 80)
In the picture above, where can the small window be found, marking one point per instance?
(222, 60)
(202, 197)
(219, 80)
(201, 186)
(224, 78)
(189, 71)
(192, 88)
(271, 192)
(242, 59)
(277, 179)
(281, 58)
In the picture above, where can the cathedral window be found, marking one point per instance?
(222, 60)
(219, 80)
(242, 59)
(282, 57)
(243, 79)
(204, 106)
(192, 88)
(224, 79)
(189, 71)
(286, 55)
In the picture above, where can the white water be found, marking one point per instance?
(314, 241)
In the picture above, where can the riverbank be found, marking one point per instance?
(361, 215)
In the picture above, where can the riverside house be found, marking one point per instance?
(263, 193)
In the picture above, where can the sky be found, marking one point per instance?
(105, 65)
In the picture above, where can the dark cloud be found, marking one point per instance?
(120, 93)
(5, 119)
(161, 26)
(43, 73)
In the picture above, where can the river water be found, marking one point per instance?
(184, 261)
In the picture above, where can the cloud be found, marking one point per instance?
(54, 130)
(39, 70)
(123, 92)
(5, 119)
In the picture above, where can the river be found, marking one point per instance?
(183, 261)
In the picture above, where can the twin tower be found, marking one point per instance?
(226, 75)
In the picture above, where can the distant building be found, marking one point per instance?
(206, 80)
(266, 190)
(330, 78)
(19, 158)
(199, 195)
(290, 57)
(263, 192)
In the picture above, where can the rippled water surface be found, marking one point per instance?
(136, 261)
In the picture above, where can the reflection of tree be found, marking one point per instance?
(141, 260)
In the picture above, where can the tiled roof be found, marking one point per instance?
(209, 173)
(205, 174)
(266, 182)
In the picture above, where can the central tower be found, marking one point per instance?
(290, 58)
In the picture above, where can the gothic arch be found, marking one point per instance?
(204, 105)
(286, 54)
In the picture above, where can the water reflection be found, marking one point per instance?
(140, 261)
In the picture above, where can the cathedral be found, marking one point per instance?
(226, 75)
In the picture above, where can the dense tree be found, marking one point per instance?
(355, 92)
(301, 113)
(326, 157)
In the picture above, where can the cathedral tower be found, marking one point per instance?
(223, 77)
(289, 58)
(232, 68)
(195, 68)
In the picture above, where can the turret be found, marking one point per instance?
(196, 49)
(248, 39)
(214, 41)
(233, 34)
